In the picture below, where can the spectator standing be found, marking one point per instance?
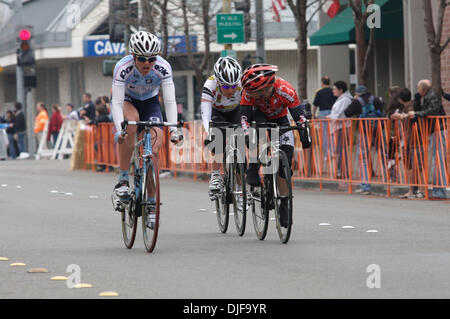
(102, 116)
(72, 114)
(393, 106)
(40, 121)
(324, 101)
(365, 105)
(20, 126)
(10, 131)
(414, 149)
(55, 124)
(88, 111)
(431, 105)
(106, 102)
(344, 99)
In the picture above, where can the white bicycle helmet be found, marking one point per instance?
(144, 43)
(227, 71)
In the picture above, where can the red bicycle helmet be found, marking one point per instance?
(258, 76)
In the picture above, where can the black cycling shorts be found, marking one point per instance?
(148, 110)
(233, 117)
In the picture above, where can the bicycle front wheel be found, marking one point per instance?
(222, 209)
(283, 199)
(129, 215)
(260, 210)
(150, 212)
(238, 189)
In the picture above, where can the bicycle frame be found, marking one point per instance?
(146, 141)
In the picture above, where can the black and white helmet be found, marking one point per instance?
(144, 43)
(227, 71)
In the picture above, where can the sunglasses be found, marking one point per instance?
(226, 87)
(143, 59)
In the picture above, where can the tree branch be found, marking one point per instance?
(369, 49)
(440, 23)
(429, 25)
(445, 45)
(293, 9)
(315, 12)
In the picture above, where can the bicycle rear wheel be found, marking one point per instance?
(129, 215)
(150, 227)
(260, 210)
(284, 171)
(239, 192)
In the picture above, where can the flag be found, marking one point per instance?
(277, 6)
(331, 8)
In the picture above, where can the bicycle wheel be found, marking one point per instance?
(284, 171)
(129, 215)
(239, 194)
(150, 228)
(260, 210)
(223, 207)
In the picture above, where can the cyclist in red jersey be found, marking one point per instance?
(267, 98)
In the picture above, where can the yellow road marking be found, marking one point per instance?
(17, 264)
(108, 294)
(82, 286)
(58, 278)
(38, 270)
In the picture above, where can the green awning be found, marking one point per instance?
(341, 29)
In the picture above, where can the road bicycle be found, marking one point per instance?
(234, 186)
(275, 170)
(144, 173)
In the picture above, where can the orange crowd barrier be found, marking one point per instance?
(369, 151)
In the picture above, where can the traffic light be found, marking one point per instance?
(245, 6)
(25, 53)
(118, 20)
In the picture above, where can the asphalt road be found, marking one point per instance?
(408, 256)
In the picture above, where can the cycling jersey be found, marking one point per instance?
(127, 80)
(277, 105)
(212, 98)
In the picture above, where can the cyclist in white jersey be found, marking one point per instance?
(135, 91)
(220, 102)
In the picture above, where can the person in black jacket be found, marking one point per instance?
(20, 126)
(427, 103)
(365, 105)
(12, 146)
(323, 101)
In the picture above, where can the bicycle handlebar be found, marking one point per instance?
(125, 123)
(269, 125)
(223, 124)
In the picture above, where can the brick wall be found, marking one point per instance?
(445, 59)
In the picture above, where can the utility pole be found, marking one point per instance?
(260, 50)
(226, 8)
(20, 93)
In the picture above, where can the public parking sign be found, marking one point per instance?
(230, 28)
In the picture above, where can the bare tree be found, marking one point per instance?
(147, 21)
(434, 37)
(299, 9)
(199, 68)
(363, 48)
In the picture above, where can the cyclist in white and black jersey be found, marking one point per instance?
(136, 83)
(220, 102)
